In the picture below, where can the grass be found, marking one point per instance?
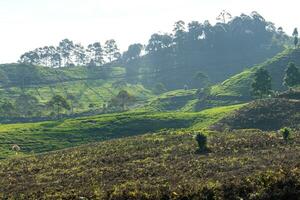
(245, 164)
(55, 135)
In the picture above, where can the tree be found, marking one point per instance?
(224, 16)
(133, 52)
(31, 57)
(111, 50)
(7, 108)
(292, 75)
(26, 104)
(80, 54)
(160, 88)
(286, 133)
(122, 99)
(202, 142)
(66, 48)
(96, 54)
(262, 83)
(57, 103)
(200, 80)
(295, 35)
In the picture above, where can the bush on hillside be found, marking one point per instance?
(202, 142)
(286, 133)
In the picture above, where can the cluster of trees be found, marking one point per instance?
(262, 84)
(67, 53)
(210, 48)
(219, 51)
(27, 105)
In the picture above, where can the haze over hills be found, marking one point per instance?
(205, 112)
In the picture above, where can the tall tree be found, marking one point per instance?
(134, 51)
(58, 103)
(262, 83)
(295, 35)
(292, 75)
(66, 48)
(111, 50)
(96, 54)
(31, 57)
(80, 54)
(224, 16)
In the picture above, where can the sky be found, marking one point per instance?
(28, 24)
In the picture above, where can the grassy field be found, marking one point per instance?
(55, 135)
(245, 164)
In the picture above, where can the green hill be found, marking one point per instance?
(53, 135)
(240, 84)
(86, 88)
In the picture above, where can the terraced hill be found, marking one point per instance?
(53, 135)
(85, 88)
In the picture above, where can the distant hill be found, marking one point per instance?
(85, 88)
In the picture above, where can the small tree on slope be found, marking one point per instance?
(262, 83)
(292, 76)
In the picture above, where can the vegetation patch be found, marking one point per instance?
(243, 164)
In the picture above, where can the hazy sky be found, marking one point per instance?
(27, 24)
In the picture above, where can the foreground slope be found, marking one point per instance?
(240, 165)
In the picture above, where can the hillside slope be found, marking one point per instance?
(240, 165)
(267, 114)
(240, 84)
(54, 135)
(85, 88)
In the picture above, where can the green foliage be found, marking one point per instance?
(58, 102)
(292, 75)
(160, 88)
(262, 83)
(122, 100)
(202, 142)
(200, 80)
(286, 133)
(26, 104)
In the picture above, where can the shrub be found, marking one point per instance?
(202, 142)
(286, 133)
